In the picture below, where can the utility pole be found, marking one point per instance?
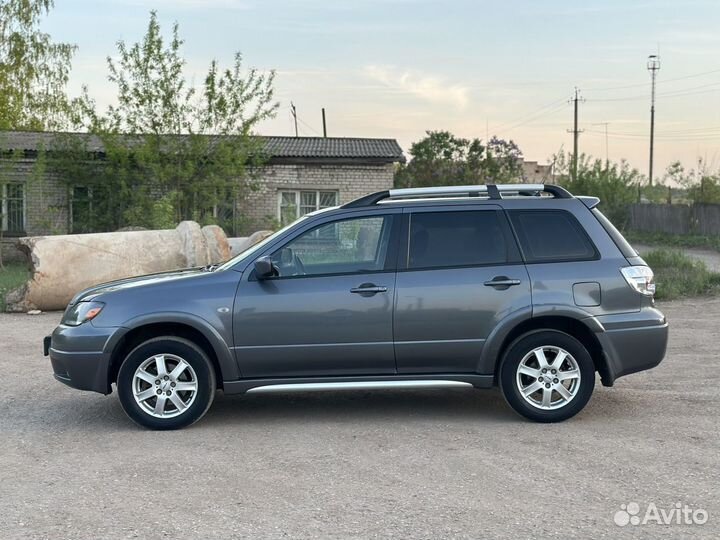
(293, 110)
(607, 155)
(324, 124)
(576, 132)
(653, 65)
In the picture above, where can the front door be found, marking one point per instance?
(329, 311)
(460, 274)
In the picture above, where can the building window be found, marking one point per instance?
(295, 204)
(13, 208)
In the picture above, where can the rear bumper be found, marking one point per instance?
(632, 342)
(78, 357)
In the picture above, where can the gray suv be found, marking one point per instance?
(523, 286)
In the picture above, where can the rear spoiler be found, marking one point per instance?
(590, 202)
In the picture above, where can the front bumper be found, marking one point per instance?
(632, 342)
(78, 357)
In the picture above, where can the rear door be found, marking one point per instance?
(459, 273)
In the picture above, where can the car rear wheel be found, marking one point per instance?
(166, 383)
(547, 376)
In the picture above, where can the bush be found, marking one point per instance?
(677, 275)
(12, 275)
(615, 184)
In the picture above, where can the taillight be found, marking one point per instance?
(640, 278)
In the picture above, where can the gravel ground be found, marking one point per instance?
(403, 464)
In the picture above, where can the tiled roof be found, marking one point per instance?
(333, 148)
(320, 147)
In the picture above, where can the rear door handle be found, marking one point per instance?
(368, 289)
(502, 282)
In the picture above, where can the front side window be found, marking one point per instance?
(348, 246)
(551, 236)
(452, 239)
(13, 207)
(295, 204)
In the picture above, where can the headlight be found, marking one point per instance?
(640, 278)
(81, 312)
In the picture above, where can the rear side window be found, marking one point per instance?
(551, 236)
(459, 238)
(625, 248)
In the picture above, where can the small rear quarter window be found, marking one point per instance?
(551, 236)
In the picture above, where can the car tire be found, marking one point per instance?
(547, 376)
(166, 383)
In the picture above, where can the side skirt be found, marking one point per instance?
(370, 382)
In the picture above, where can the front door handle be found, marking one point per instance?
(368, 289)
(501, 282)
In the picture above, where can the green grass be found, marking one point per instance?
(673, 240)
(677, 275)
(11, 276)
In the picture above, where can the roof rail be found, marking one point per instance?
(492, 191)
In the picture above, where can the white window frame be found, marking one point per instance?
(297, 194)
(4, 207)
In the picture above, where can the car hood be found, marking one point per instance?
(138, 281)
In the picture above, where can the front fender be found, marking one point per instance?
(228, 366)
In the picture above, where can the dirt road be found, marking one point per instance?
(403, 464)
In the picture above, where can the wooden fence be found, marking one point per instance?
(703, 219)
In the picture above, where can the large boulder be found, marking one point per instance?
(63, 265)
(241, 243)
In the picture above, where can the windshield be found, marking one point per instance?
(251, 250)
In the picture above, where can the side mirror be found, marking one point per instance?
(264, 268)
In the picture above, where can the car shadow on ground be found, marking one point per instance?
(104, 414)
(361, 406)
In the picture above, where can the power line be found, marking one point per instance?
(646, 84)
(303, 122)
(694, 131)
(529, 118)
(691, 91)
(607, 153)
(663, 137)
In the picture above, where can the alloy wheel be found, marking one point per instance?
(164, 385)
(548, 377)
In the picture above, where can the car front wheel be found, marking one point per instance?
(166, 383)
(547, 376)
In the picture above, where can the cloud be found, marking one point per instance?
(421, 86)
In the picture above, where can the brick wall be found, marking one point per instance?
(45, 202)
(260, 208)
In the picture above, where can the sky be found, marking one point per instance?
(397, 68)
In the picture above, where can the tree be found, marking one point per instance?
(615, 184)
(34, 70)
(441, 158)
(171, 152)
(675, 174)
